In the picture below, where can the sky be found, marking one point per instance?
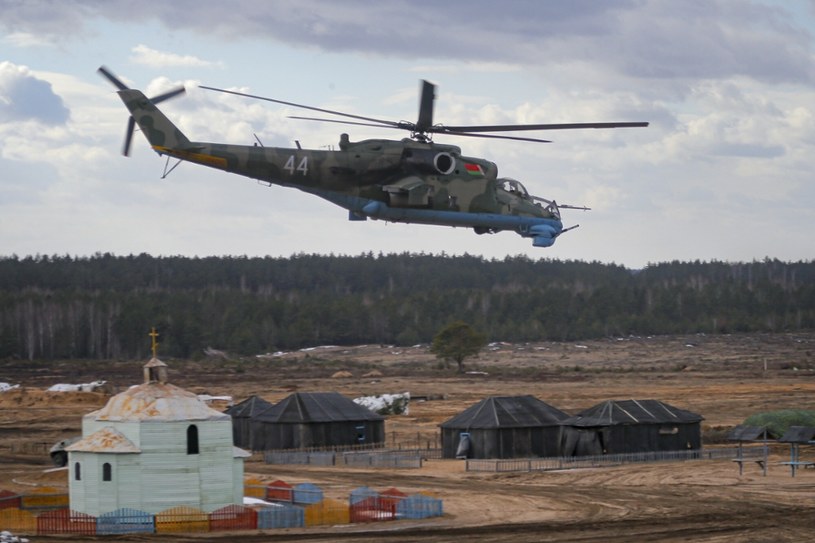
(724, 171)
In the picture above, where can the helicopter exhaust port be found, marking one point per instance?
(429, 161)
(444, 163)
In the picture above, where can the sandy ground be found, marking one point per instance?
(724, 378)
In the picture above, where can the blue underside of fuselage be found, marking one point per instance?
(543, 231)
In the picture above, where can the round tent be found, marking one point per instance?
(503, 427)
(242, 415)
(316, 419)
(628, 426)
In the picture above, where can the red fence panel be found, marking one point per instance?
(233, 517)
(66, 521)
(279, 491)
(9, 500)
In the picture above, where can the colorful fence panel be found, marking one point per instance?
(254, 488)
(419, 506)
(125, 521)
(65, 521)
(279, 491)
(182, 520)
(10, 500)
(327, 512)
(390, 498)
(18, 521)
(362, 493)
(233, 517)
(307, 493)
(283, 516)
(365, 505)
(45, 497)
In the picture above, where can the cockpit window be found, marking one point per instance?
(513, 186)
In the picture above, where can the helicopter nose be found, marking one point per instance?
(543, 235)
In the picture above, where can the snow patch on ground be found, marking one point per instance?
(84, 387)
(386, 404)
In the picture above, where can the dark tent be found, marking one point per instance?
(503, 427)
(316, 419)
(242, 415)
(629, 426)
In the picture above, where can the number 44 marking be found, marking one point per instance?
(302, 167)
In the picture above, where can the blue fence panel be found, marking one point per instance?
(285, 516)
(419, 506)
(125, 521)
(307, 493)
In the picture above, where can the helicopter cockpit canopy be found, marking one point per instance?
(513, 186)
(516, 188)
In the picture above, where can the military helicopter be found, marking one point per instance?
(412, 180)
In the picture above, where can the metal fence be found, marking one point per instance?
(378, 458)
(384, 459)
(301, 457)
(577, 462)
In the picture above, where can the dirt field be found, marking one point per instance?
(724, 378)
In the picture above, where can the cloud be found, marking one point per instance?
(642, 39)
(24, 97)
(158, 59)
(26, 39)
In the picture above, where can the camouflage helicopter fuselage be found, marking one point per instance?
(403, 181)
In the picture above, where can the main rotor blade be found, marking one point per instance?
(425, 120)
(408, 127)
(522, 127)
(337, 121)
(131, 125)
(312, 108)
(491, 136)
(112, 78)
(169, 94)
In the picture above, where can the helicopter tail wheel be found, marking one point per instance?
(131, 122)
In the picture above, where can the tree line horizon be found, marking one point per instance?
(102, 306)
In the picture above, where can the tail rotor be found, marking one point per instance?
(131, 122)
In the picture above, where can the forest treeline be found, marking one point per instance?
(56, 307)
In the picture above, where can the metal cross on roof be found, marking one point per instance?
(153, 335)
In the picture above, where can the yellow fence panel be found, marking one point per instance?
(327, 512)
(18, 521)
(45, 497)
(182, 520)
(254, 488)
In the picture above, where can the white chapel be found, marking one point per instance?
(154, 447)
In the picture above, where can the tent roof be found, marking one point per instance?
(248, 408)
(798, 434)
(616, 412)
(304, 407)
(507, 412)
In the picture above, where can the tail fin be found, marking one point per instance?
(160, 132)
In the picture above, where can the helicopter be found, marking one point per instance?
(412, 180)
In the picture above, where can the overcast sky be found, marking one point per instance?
(724, 172)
